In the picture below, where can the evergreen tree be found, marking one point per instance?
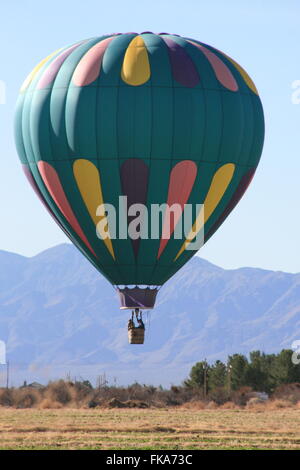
(197, 375)
(237, 369)
(283, 370)
(217, 375)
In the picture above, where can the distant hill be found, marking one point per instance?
(59, 316)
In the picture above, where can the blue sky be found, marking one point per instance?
(262, 35)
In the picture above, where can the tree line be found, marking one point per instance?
(262, 372)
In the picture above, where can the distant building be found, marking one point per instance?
(35, 385)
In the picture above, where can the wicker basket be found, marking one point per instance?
(136, 335)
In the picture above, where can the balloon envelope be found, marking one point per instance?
(159, 119)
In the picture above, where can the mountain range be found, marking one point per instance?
(59, 317)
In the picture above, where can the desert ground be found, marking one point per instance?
(154, 429)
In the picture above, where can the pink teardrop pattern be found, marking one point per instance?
(52, 70)
(181, 183)
(54, 186)
(89, 67)
(222, 72)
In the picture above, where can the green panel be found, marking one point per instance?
(183, 112)
(39, 125)
(161, 75)
(58, 115)
(258, 135)
(107, 113)
(134, 122)
(162, 123)
(232, 127)
(28, 110)
(197, 123)
(142, 122)
(80, 112)
(25, 127)
(213, 126)
(112, 61)
(248, 116)
(126, 122)
(71, 110)
(19, 140)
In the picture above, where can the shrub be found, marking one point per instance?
(242, 396)
(6, 397)
(277, 404)
(59, 392)
(218, 395)
(26, 397)
(290, 392)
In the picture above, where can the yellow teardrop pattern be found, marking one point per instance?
(89, 184)
(136, 68)
(218, 186)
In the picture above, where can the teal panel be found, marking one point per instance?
(214, 121)
(248, 130)
(113, 60)
(18, 130)
(81, 130)
(232, 128)
(162, 123)
(258, 134)
(142, 122)
(126, 122)
(183, 112)
(107, 116)
(161, 75)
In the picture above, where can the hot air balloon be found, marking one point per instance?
(152, 118)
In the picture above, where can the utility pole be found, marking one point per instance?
(229, 369)
(7, 374)
(205, 379)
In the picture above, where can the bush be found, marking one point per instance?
(6, 397)
(81, 391)
(242, 396)
(278, 404)
(59, 391)
(26, 397)
(289, 392)
(219, 395)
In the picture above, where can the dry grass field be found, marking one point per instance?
(154, 429)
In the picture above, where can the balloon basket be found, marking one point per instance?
(136, 335)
